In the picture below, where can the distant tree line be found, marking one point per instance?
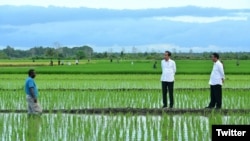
(87, 52)
(81, 52)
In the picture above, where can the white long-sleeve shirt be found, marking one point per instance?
(168, 70)
(217, 74)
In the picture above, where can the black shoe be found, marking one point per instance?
(209, 107)
(164, 107)
(218, 108)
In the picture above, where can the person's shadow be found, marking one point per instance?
(34, 123)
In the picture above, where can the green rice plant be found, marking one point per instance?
(125, 67)
(120, 82)
(81, 91)
(106, 127)
(184, 99)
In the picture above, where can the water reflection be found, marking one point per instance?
(214, 120)
(187, 127)
(167, 127)
(34, 124)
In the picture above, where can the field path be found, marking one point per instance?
(136, 111)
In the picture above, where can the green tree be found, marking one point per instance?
(9, 51)
(122, 54)
(105, 54)
(3, 55)
(80, 54)
(88, 51)
(50, 52)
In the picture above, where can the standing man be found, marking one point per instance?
(167, 79)
(77, 61)
(217, 78)
(32, 93)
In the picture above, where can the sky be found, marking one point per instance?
(180, 25)
(133, 4)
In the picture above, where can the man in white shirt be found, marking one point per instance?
(217, 78)
(167, 78)
(77, 61)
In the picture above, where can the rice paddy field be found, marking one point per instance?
(119, 85)
(121, 67)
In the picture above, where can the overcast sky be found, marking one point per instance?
(132, 4)
(181, 25)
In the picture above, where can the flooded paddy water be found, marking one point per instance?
(103, 127)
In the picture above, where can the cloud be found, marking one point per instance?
(192, 19)
(132, 4)
(26, 15)
(159, 48)
(131, 32)
(185, 27)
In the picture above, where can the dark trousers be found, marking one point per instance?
(168, 87)
(215, 96)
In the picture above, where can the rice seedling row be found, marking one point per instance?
(119, 81)
(127, 127)
(118, 91)
(184, 99)
(124, 67)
